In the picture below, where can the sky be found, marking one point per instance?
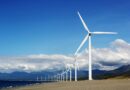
(52, 27)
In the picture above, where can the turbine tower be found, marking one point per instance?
(88, 37)
(76, 67)
(69, 69)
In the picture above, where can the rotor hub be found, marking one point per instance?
(90, 34)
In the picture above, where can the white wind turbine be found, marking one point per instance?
(88, 37)
(76, 66)
(69, 69)
(66, 75)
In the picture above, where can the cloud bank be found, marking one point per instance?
(117, 54)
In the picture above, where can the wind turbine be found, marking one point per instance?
(88, 37)
(63, 74)
(69, 69)
(66, 74)
(76, 67)
(62, 77)
(59, 77)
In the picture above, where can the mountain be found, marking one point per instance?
(83, 75)
(123, 71)
(24, 75)
(33, 75)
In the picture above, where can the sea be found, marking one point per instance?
(11, 84)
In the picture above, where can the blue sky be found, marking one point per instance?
(53, 26)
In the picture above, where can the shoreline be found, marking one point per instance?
(26, 85)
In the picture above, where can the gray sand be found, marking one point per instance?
(82, 85)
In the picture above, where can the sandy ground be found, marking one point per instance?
(82, 85)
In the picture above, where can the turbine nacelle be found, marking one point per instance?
(89, 34)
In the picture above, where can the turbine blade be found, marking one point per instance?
(84, 24)
(85, 39)
(103, 32)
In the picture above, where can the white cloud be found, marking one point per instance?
(34, 63)
(102, 58)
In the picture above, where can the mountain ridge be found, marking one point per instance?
(123, 71)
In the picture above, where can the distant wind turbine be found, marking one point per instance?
(88, 37)
(69, 68)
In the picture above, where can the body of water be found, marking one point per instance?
(10, 84)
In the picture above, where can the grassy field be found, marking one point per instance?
(121, 84)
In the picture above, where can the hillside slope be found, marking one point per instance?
(121, 72)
